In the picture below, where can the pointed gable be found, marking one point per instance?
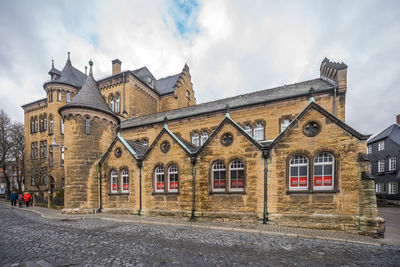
(69, 75)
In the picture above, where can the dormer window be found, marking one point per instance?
(381, 145)
(187, 94)
(150, 81)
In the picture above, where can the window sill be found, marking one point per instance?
(228, 193)
(381, 173)
(165, 193)
(290, 192)
(118, 194)
(392, 171)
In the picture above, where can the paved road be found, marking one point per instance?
(26, 239)
(392, 231)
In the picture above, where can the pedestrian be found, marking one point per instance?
(27, 198)
(20, 199)
(13, 198)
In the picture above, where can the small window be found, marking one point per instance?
(285, 123)
(218, 176)
(392, 189)
(62, 156)
(204, 137)
(369, 149)
(173, 179)
(59, 96)
(51, 127)
(87, 125)
(298, 173)
(187, 94)
(33, 180)
(112, 104)
(63, 183)
(381, 166)
(159, 179)
(61, 126)
(379, 188)
(117, 103)
(392, 164)
(68, 97)
(195, 139)
(248, 130)
(259, 132)
(45, 122)
(323, 171)
(370, 167)
(51, 156)
(114, 181)
(381, 145)
(125, 181)
(236, 176)
(145, 142)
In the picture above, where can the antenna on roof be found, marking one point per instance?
(68, 55)
(90, 69)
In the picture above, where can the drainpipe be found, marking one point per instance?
(123, 92)
(99, 207)
(334, 100)
(139, 164)
(193, 161)
(265, 212)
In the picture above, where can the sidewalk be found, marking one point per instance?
(53, 214)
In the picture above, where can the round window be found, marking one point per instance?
(165, 146)
(118, 152)
(311, 129)
(227, 139)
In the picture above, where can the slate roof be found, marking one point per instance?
(139, 149)
(89, 97)
(393, 132)
(69, 75)
(43, 100)
(192, 148)
(264, 96)
(166, 85)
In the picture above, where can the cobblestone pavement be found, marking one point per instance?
(27, 239)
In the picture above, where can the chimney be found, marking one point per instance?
(398, 119)
(334, 71)
(116, 66)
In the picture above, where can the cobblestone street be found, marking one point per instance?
(27, 239)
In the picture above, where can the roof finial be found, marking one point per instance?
(228, 108)
(52, 63)
(90, 69)
(69, 55)
(311, 91)
(166, 122)
(86, 70)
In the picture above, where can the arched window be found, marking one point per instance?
(87, 125)
(51, 127)
(204, 137)
(323, 171)
(125, 181)
(298, 173)
(248, 129)
(68, 97)
(62, 125)
(40, 123)
(45, 122)
(173, 179)
(112, 104)
(114, 181)
(159, 179)
(32, 125)
(117, 103)
(236, 176)
(36, 124)
(218, 176)
(195, 139)
(58, 95)
(259, 132)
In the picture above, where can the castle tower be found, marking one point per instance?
(90, 127)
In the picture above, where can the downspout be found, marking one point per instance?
(334, 100)
(265, 212)
(193, 161)
(99, 207)
(139, 164)
(123, 92)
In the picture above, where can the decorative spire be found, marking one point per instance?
(86, 70)
(311, 91)
(69, 55)
(165, 122)
(52, 63)
(228, 108)
(90, 68)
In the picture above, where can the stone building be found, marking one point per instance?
(131, 143)
(383, 152)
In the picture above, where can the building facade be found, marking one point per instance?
(383, 152)
(135, 144)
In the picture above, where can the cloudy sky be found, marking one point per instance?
(231, 47)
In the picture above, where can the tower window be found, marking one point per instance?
(68, 97)
(87, 125)
(59, 96)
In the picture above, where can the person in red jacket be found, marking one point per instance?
(27, 198)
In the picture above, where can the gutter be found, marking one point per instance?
(139, 164)
(334, 100)
(193, 161)
(265, 212)
(98, 209)
(123, 93)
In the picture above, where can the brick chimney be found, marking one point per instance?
(334, 71)
(116, 66)
(398, 119)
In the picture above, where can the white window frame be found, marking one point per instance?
(112, 104)
(117, 103)
(392, 164)
(392, 188)
(259, 132)
(248, 129)
(51, 129)
(381, 165)
(68, 97)
(195, 139)
(381, 145)
(237, 165)
(379, 188)
(58, 95)
(293, 163)
(204, 137)
(158, 173)
(124, 176)
(113, 181)
(218, 166)
(173, 170)
(324, 159)
(285, 123)
(369, 149)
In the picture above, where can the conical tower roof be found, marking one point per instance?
(89, 97)
(69, 75)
